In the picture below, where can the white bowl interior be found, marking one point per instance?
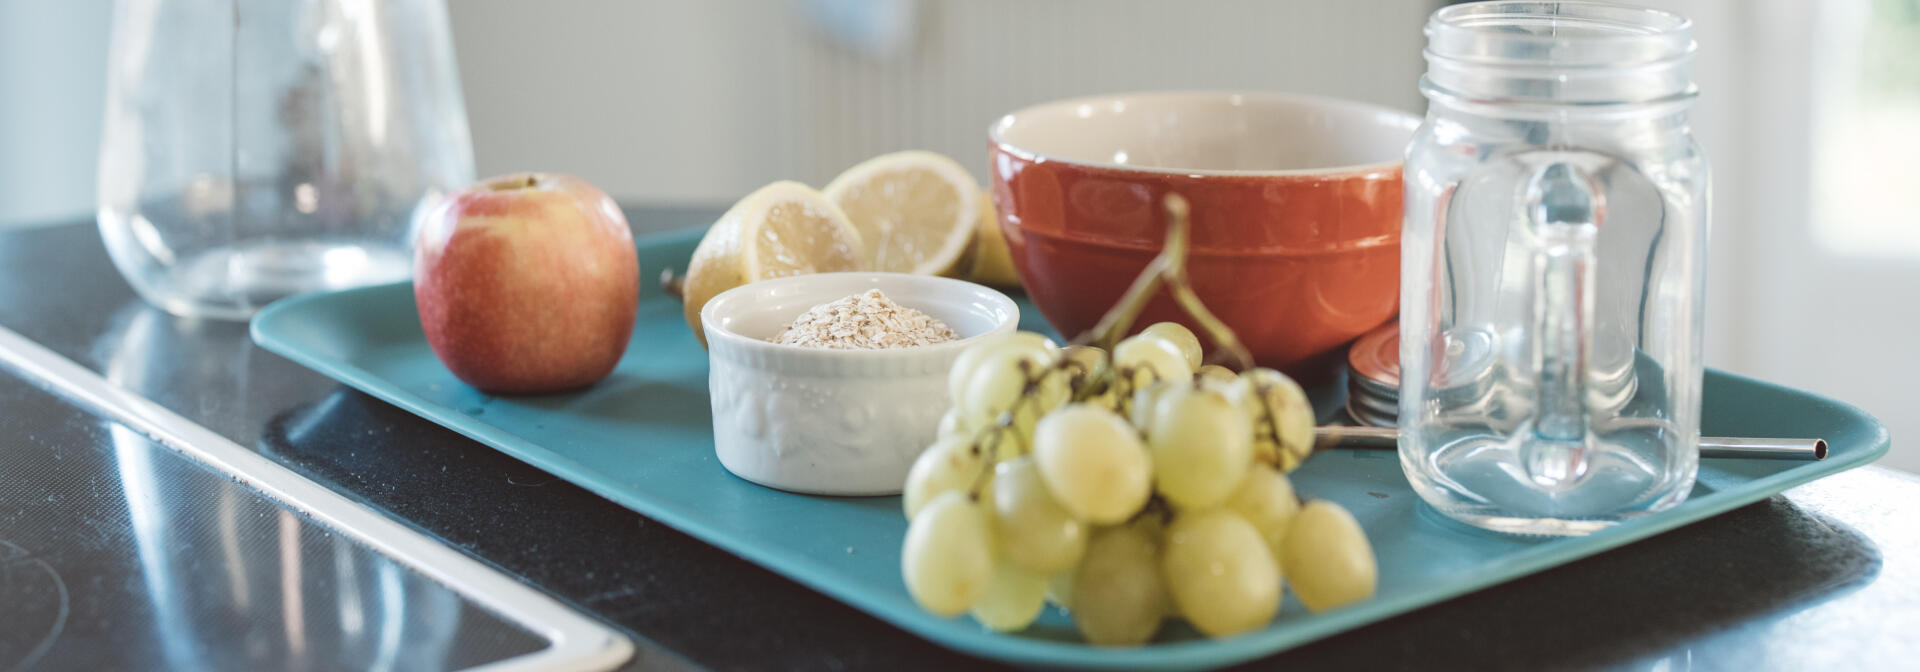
(1210, 132)
(766, 307)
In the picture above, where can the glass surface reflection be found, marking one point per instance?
(121, 554)
(207, 370)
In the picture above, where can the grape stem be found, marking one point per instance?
(1169, 270)
(996, 434)
(989, 439)
(1157, 506)
(1270, 426)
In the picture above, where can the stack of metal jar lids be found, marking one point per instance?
(1373, 377)
(1466, 374)
(1373, 374)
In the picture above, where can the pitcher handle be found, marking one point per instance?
(1565, 208)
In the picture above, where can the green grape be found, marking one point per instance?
(1013, 382)
(999, 380)
(1141, 410)
(1047, 394)
(1327, 557)
(1224, 386)
(1093, 463)
(1264, 449)
(1089, 373)
(1215, 374)
(947, 559)
(964, 365)
(1153, 524)
(1013, 599)
(1119, 596)
(1035, 532)
(1051, 346)
(1060, 587)
(1054, 389)
(1265, 498)
(951, 424)
(1201, 446)
(1107, 398)
(1085, 365)
(1005, 444)
(967, 362)
(951, 463)
(1243, 394)
(1293, 416)
(1274, 398)
(1143, 359)
(1220, 573)
(1181, 338)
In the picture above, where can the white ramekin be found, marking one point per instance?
(834, 422)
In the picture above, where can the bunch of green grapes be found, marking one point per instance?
(1128, 488)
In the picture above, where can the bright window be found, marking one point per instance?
(1866, 125)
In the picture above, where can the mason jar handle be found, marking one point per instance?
(1565, 207)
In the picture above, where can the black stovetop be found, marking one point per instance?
(119, 553)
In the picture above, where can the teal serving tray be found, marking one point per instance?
(644, 438)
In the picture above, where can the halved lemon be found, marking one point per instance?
(784, 228)
(916, 211)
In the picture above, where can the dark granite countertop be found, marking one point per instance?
(1826, 576)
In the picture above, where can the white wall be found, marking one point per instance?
(53, 67)
(685, 101)
(699, 102)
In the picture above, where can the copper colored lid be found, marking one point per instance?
(1374, 359)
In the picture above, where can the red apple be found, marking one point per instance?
(527, 283)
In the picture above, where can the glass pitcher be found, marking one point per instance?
(254, 150)
(1553, 267)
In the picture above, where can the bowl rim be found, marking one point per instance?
(1000, 142)
(718, 333)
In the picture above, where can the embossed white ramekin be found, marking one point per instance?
(834, 422)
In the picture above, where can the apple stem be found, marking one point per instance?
(675, 286)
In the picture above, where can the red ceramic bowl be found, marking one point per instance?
(1295, 201)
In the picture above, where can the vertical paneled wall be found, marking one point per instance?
(685, 101)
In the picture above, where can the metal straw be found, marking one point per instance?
(1338, 436)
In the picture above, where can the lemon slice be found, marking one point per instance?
(916, 211)
(990, 262)
(784, 228)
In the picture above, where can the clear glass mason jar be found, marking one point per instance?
(253, 150)
(1553, 268)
